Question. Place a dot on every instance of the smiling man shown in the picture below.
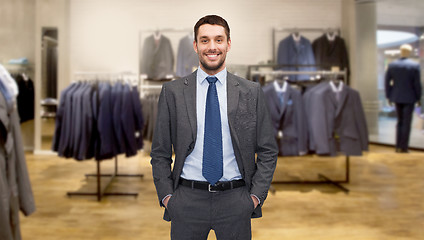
(219, 128)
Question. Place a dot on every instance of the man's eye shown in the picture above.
(204, 41)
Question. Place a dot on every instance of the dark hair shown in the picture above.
(213, 20)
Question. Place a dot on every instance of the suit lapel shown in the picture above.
(276, 100)
(286, 98)
(343, 97)
(190, 101)
(233, 93)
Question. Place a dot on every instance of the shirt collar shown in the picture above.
(279, 88)
(222, 76)
(336, 89)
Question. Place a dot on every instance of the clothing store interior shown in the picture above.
(325, 70)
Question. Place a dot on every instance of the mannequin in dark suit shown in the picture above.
(195, 206)
(403, 87)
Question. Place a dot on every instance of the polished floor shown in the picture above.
(385, 200)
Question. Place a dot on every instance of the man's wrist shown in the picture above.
(166, 197)
(253, 195)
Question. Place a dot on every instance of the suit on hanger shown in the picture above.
(128, 122)
(139, 118)
(105, 129)
(15, 186)
(403, 87)
(157, 58)
(187, 59)
(291, 52)
(250, 129)
(330, 53)
(337, 124)
(289, 117)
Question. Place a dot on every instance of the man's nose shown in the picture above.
(212, 45)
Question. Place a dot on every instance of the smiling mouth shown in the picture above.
(212, 56)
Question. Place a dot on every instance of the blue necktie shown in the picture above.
(212, 145)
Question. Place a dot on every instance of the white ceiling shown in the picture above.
(400, 12)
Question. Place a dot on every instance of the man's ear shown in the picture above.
(195, 46)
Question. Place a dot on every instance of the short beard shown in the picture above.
(212, 68)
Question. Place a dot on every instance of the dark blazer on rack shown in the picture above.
(330, 53)
(106, 138)
(138, 115)
(289, 118)
(337, 125)
(250, 128)
(127, 118)
(292, 53)
(402, 81)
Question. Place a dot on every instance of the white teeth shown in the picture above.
(212, 55)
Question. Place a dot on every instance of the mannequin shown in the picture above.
(403, 88)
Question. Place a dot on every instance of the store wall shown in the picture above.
(105, 33)
(17, 34)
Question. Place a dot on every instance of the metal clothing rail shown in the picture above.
(317, 74)
(325, 179)
(102, 190)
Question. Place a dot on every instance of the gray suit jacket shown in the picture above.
(337, 125)
(15, 187)
(288, 117)
(250, 127)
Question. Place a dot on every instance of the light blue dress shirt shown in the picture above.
(192, 169)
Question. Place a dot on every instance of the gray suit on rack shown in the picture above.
(337, 124)
(250, 128)
(289, 117)
(15, 187)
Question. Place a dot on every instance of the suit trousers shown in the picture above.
(403, 128)
(195, 212)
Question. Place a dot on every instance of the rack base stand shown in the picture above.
(100, 192)
(325, 180)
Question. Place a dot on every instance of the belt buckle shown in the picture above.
(209, 188)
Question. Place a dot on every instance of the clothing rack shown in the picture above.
(102, 190)
(297, 30)
(325, 179)
(317, 74)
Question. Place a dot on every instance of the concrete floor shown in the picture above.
(385, 200)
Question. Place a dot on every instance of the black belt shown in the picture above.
(219, 186)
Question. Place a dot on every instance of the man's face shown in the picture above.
(212, 46)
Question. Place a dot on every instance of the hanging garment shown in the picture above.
(330, 54)
(25, 98)
(157, 58)
(288, 119)
(336, 124)
(15, 187)
(296, 53)
(93, 118)
(187, 58)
